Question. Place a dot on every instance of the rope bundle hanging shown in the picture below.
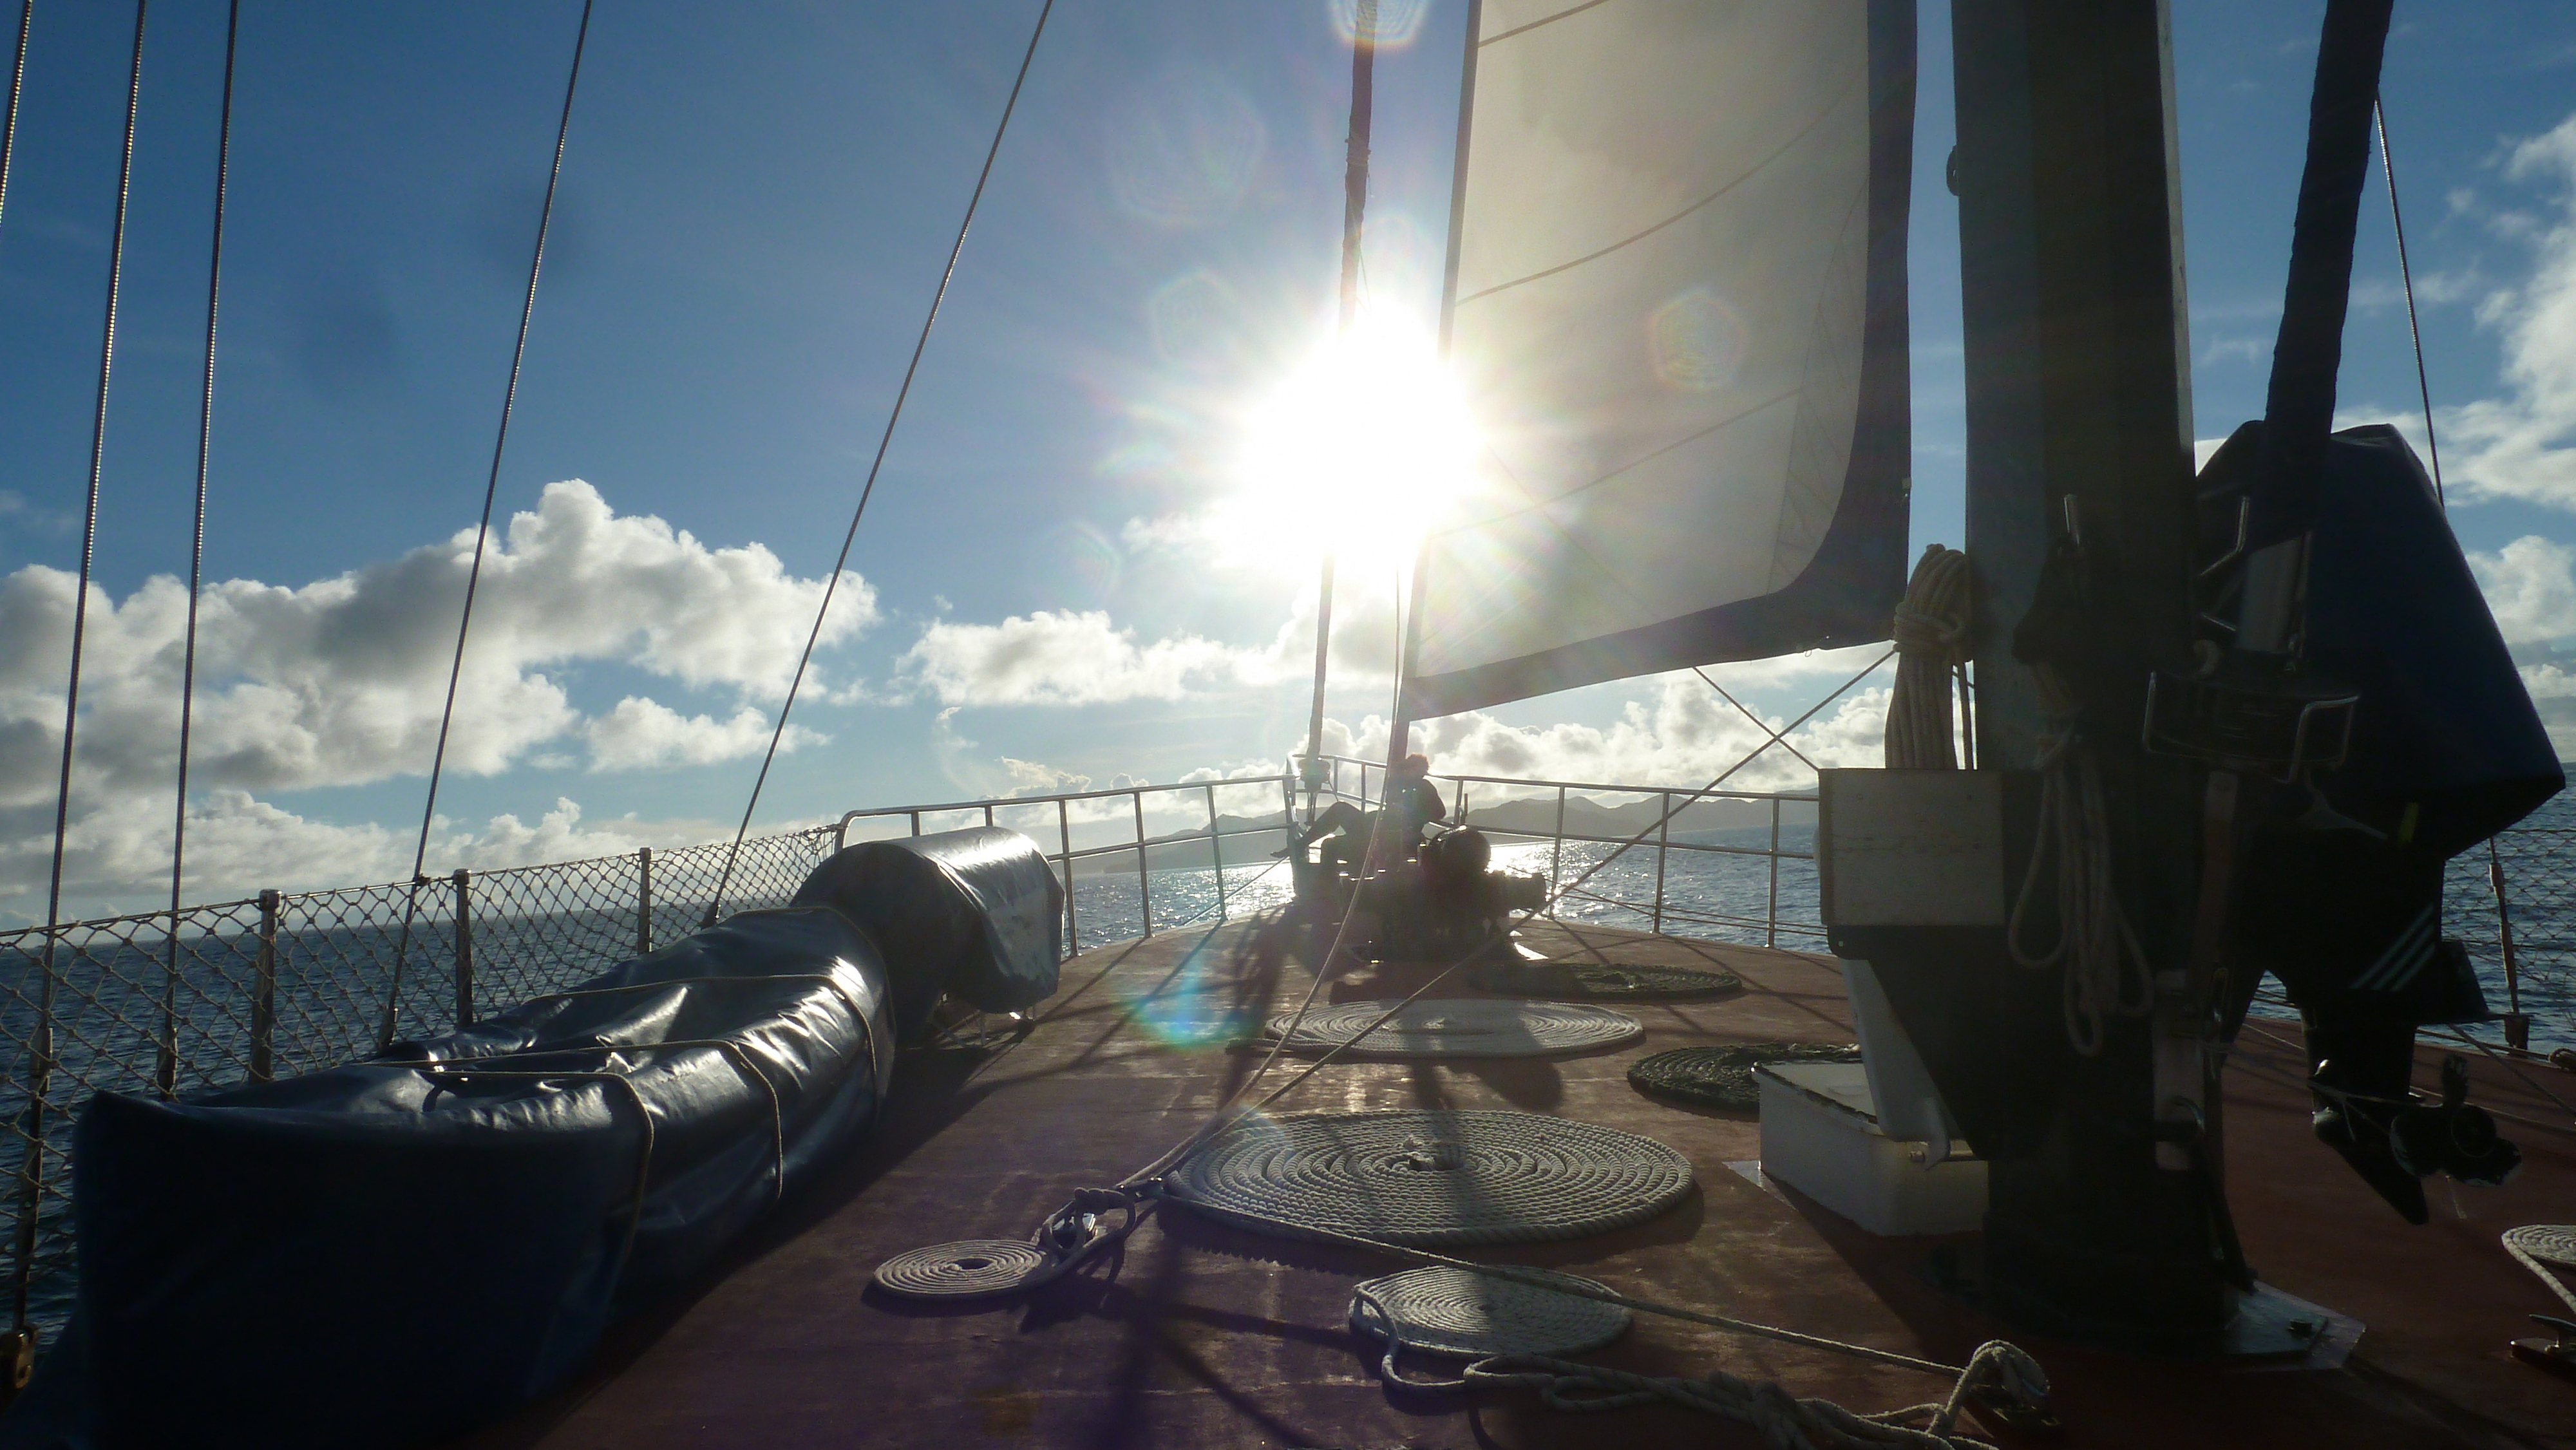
(1931, 633)
(2105, 969)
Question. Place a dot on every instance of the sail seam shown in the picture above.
(1630, 466)
(1541, 21)
(1756, 169)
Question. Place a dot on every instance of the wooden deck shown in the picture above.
(1205, 1336)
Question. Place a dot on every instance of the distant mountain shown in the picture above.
(1262, 835)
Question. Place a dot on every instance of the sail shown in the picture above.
(1678, 312)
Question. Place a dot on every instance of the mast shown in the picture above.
(2079, 428)
(1354, 213)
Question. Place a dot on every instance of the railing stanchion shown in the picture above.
(31, 1161)
(1144, 885)
(464, 948)
(988, 813)
(165, 1064)
(1771, 910)
(1216, 851)
(2517, 1026)
(263, 993)
(1064, 843)
(643, 901)
(1556, 859)
(1663, 838)
(916, 822)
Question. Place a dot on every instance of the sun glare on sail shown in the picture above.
(1365, 446)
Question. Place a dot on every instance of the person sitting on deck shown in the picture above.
(1411, 798)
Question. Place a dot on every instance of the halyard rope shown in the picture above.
(41, 1049)
(483, 532)
(831, 585)
(165, 1075)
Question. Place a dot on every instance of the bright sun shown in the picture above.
(1363, 447)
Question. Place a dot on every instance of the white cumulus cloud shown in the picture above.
(341, 681)
(2523, 445)
(1069, 658)
(2529, 586)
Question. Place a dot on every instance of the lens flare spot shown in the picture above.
(1184, 150)
(1197, 320)
(1397, 21)
(1698, 341)
(1194, 1007)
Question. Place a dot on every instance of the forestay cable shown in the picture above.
(2406, 283)
(166, 1069)
(724, 879)
(41, 1051)
(483, 529)
(17, 79)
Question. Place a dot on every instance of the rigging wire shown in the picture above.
(2406, 282)
(166, 1070)
(724, 879)
(483, 530)
(41, 1052)
(17, 79)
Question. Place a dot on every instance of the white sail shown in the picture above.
(1678, 312)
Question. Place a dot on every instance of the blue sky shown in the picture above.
(753, 213)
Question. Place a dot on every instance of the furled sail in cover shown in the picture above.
(1679, 317)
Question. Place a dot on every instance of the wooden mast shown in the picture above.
(1354, 212)
(2079, 409)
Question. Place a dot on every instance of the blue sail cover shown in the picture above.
(1678, 313)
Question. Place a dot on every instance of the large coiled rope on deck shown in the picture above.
(1931, 634)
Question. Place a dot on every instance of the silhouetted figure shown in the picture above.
(1410, 799)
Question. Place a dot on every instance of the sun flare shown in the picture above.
(1363, 447)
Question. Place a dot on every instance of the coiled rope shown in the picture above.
(2104, 969)
(1931, 632)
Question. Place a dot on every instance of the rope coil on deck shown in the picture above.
(1722, 1077)
(1617, 981)
(1452, 1027)
(1423, 1177)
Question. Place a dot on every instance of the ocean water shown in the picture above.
(1732, 893)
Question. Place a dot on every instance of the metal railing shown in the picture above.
(1034, 815)
(280, 983)
(1673, 877)
(234, 992)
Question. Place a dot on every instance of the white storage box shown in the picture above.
(1820, 1135)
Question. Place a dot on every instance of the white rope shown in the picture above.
(2104, 968)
